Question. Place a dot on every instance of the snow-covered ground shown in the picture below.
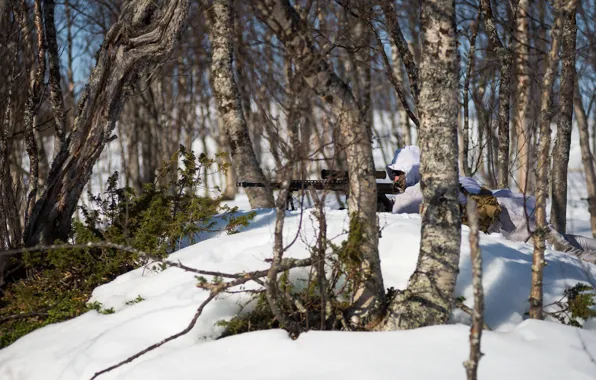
(515, 349)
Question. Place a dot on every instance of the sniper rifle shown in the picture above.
(333, 180)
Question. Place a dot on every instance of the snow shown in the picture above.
(516, 348)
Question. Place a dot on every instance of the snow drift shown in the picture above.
(516, 349)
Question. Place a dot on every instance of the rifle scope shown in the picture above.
(341, 174)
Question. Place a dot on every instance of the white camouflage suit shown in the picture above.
(512, 222)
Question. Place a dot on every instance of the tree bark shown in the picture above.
(402, 46)
(428, 300)
(362, 59)
(542, 172)
(398, 73)
(10, 226)
(293, 32)
(230, 107)
(69, 69)
(466, 128)
(471, 365)
(521, 111)
(505, 58)
(36, 75)
(587, 156)
(55, 78)
(143, 37)
(397, 84)
(560, 154)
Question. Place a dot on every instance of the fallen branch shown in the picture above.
(214, 290)
(156, 345)
(287, 263)
(23, 316)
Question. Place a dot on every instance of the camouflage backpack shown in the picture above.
(487, 206)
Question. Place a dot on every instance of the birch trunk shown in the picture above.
(363, 73)
(587, 157)
(428, 300)
(560, 154)
(471, 365)
(466, 127)
(293, 32)
(143, 37)
(521, 112)
(542, 171)
(230, 108)
(505, 59)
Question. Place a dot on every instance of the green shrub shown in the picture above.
(577, 305)
(59, 282)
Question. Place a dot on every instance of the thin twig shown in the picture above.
(156, 345)
(471, 365)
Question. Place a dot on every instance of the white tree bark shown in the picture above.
(428, 300)
(521, 111)
(542, 171)
(230, 108)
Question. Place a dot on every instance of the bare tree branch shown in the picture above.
(478, 315)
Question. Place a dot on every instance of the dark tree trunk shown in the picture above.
(143, 37)
(36, 75)
(506, 60)
(466, 128)
(55, 78)
(560, 154)
(402, 46)
(587, 155)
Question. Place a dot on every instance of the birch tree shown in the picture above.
(587, 154)
(520, 111)
(560, 154)
(505, 60)
(230, 108)
(543, 165)
(428, 299)
(292, 31)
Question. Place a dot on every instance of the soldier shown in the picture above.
(500, 211)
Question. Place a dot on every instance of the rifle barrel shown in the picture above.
(343, 174)
(257, 184)
(333, 185)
